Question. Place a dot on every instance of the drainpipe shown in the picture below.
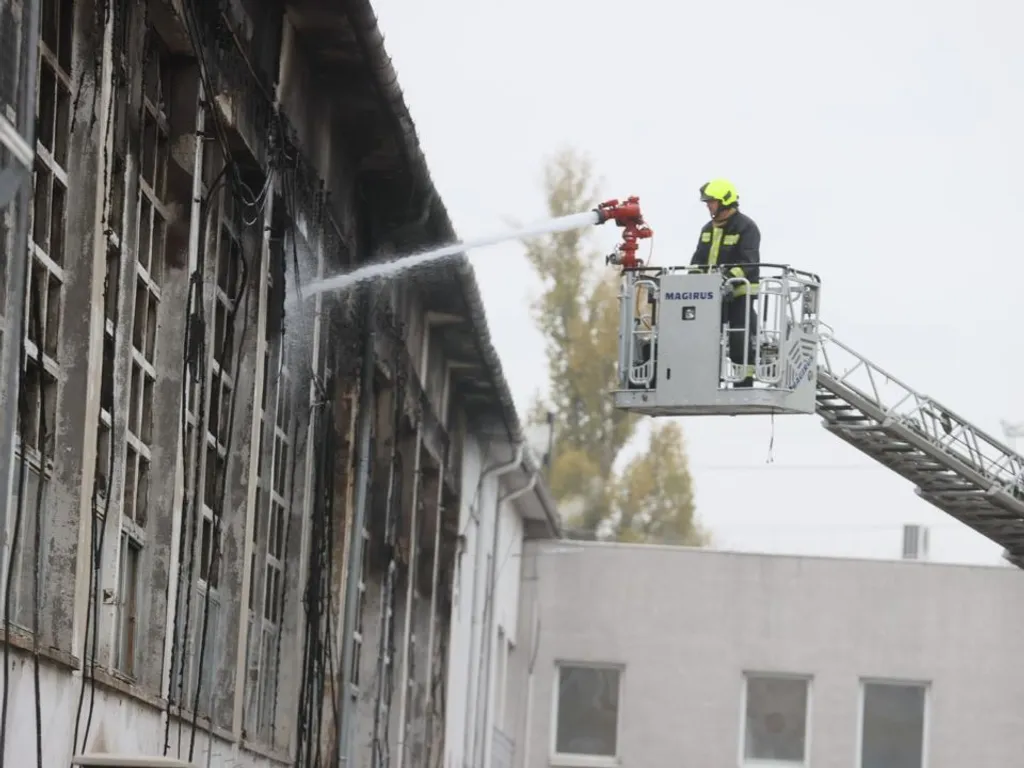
(410, 597)
(530, 677)
(350, 698)
(498, 471)
(484, 708)
(435, 574)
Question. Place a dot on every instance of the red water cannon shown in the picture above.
(627, 215)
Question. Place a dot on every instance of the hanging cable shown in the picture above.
(251, 205)
(194, 354)
(317, 596)
(13, 552)
(285, 571)
(111, 294)
(238, 188)
(380, 747)
(241, 297)
(37, 543)
(194, 359)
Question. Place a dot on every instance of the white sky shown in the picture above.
(877, 145)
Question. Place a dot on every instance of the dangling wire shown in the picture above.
(97, 540)
(13, 552)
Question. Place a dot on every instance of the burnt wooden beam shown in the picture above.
(166, 18)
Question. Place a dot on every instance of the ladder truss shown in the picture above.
(955, 466)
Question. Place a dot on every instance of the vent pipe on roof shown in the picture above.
(915, 542)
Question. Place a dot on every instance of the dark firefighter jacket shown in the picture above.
(737, 242)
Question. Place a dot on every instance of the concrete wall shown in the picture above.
(686, 625)
(116, 435)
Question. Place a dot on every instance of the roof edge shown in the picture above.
(364, 22)
(687, 550)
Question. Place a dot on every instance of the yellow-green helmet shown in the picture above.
(721, 190)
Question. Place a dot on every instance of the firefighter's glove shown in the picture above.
(727, 292)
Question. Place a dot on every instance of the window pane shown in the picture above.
(776, 719)
(588, 711)
(893, 731)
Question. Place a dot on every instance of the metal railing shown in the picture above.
(644, 330)
(786, 299)
(887, 400)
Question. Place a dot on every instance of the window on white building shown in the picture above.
(586, 711)
(892, 725)
(776, 709)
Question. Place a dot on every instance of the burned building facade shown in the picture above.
(249, 521)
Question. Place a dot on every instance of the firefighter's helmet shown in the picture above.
(721, 190)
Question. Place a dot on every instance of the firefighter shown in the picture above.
(732, 241)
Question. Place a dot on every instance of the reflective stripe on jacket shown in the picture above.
(737, 243)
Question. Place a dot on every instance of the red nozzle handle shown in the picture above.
(624, 213)
(627, 215)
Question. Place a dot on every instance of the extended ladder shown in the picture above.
(953, 464)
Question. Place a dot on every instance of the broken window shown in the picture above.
(208, 439)
(45, 286)
(269, 533)
(144, 274)
(23, 588)
(128, 603)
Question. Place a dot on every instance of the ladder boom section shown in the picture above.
(954, 465)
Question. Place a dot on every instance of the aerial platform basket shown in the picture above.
(674, 346)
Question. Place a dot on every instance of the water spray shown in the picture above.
(626, 214)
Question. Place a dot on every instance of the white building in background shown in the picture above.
(655, 656)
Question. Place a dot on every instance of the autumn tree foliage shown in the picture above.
(650, 497)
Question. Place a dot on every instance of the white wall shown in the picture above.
(460, 638)
(468, 718)
(120, 723)
(687, 624)
(506, 614)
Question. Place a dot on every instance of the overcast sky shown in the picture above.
(876, 144)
